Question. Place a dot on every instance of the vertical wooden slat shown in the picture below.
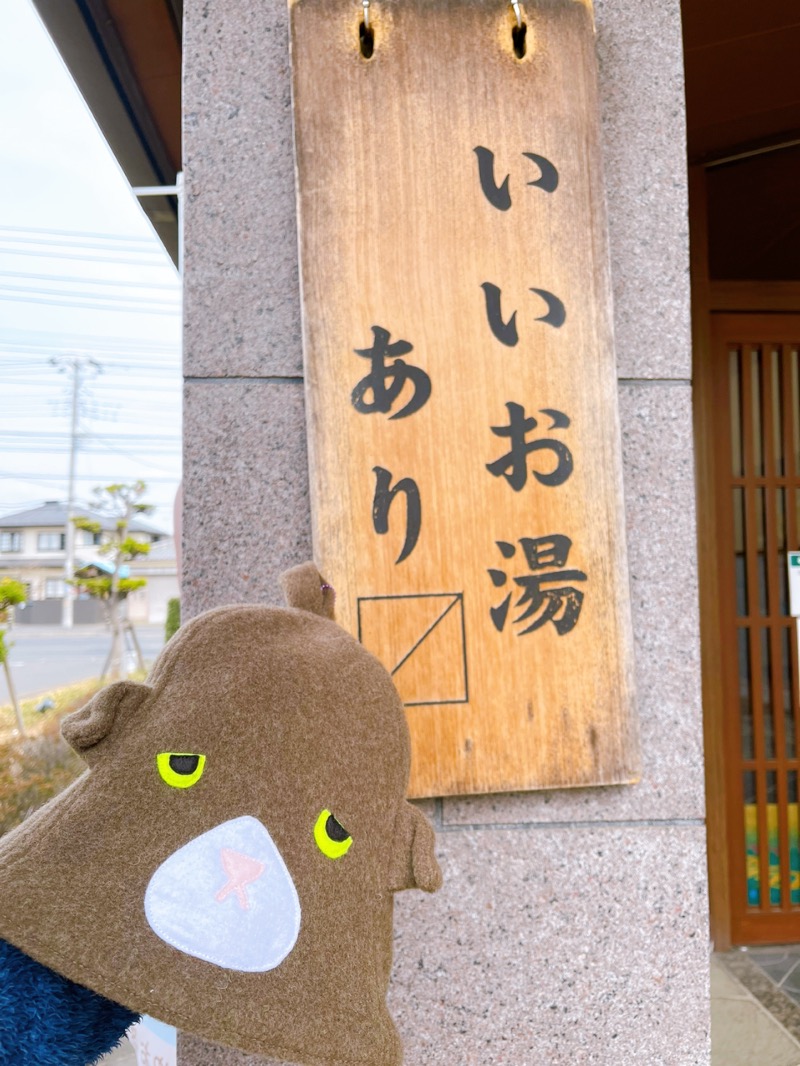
(769, 417)
(790, 368)
(789, 371)
(712, 404)
(737, 457)
(751, 471)
(757, 356)
(730, 624)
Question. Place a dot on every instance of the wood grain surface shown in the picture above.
(460, 381)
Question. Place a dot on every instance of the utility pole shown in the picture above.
(73, 365)
(69, 537)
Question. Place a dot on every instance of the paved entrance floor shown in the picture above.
(755, 1007)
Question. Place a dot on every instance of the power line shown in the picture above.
(121, 360)
(57, 435)
(131, 238)
(22, 360)
(76, 340)
(17, 372)
(121, 245)
(136, 458)
(32, 364)
(24, 365)
(158, 262)
(89, 281)
(27, 378)
(136, 455)
(7, 475)
(132, 389)
(87, 306)
(90, 295)
(20, 340)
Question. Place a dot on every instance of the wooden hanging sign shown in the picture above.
(460, 380)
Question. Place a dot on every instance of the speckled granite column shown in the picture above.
(572, 927)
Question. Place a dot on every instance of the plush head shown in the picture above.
(227, 863)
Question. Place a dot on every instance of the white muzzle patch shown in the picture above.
(228, 898)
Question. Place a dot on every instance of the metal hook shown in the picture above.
(365, 5)
(514, 4)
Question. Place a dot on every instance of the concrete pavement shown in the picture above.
(47, 657)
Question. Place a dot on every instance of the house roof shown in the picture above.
(101, 566)
(160, 560)
(162, 551)
(53, 513)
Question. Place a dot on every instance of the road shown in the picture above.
(46, 657)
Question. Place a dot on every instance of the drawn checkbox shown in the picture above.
(421, 640)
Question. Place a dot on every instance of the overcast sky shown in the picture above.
(82, 276)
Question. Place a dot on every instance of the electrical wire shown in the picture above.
(107, 364)
(158, 262)
(86, 306)
(88, 281)
(7, 475)
(140, 462)
(132, 238)
(150, 367)
(54, 436)
(43, 338)
(91, 245)
(88, 295)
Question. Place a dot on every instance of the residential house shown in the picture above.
(159, 567)
(33, 551)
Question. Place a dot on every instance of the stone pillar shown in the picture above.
(573, 925)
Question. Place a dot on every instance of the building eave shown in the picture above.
(125, 59)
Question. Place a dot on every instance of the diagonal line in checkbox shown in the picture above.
(429, 630)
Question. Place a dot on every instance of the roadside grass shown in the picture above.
(36, 767)
(65, 699)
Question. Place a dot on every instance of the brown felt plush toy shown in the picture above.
(228, 861)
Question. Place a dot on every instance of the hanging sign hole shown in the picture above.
(518, 34)
(366, 39)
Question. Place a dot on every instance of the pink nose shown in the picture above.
(241, 871)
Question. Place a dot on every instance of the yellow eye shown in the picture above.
(331, 836)
(180, 770)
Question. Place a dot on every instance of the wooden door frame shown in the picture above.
(707, 298)
(708, 582)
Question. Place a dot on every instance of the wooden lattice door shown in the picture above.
(756, 433)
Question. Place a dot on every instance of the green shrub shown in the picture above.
(173, 622)
(11, 593)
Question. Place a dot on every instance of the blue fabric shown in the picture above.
(46, 1020)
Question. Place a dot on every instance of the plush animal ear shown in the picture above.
(304, 588)
(414, 862)
(83, 730)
